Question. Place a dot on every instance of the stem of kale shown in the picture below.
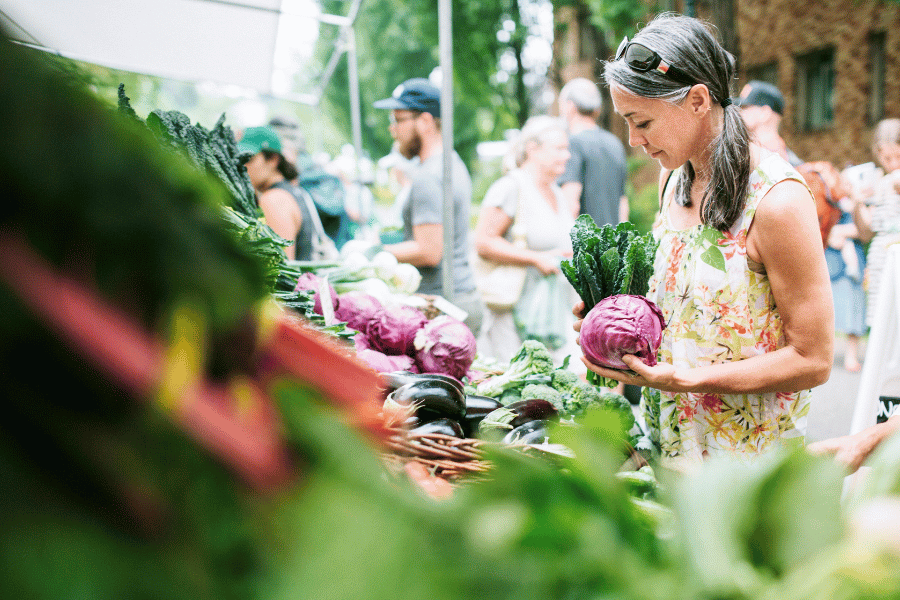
(601, 381)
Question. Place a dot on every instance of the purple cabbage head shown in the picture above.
(357, 309)
(310, 281)
(622, 324)
(386, 364)
(393, 329)
(361, 342)
(445, 345)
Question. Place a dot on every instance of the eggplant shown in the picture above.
(444, 425)
(398, 379)
(434, 398)
(532, 410)
(477, 407)
(532, 432)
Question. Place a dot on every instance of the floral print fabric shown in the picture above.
(719, 307)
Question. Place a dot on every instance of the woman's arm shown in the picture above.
(282, 215)
(785, 238)
(491, 245)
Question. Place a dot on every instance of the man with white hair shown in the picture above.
(594, 181)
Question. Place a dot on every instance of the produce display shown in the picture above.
(215, 153)
(187, 419)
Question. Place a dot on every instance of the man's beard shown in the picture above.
(411, 148)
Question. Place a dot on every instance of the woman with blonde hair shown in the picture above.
(528, 198)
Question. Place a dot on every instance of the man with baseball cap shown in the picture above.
(415, 109)
(762, 107)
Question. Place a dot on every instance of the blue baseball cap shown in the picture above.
(416, 94)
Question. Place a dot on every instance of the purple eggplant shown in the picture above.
(397, 379)
(445, 426)
(532, 410)
(434, 399)
(477, 407)
(499, 422)
(532, 432)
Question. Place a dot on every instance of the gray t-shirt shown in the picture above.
(598, 163)
(425, 206)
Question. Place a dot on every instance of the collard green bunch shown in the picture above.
(215, 152)
(608, 260)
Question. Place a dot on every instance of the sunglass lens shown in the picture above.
(639, 57)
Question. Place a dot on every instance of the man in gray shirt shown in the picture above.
(594, 181)
(416, 126)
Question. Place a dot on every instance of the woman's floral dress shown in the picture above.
(718, 307)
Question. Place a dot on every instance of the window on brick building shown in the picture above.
(815, 90)
(767, 72)
(876, 77)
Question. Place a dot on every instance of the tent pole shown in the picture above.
(355, 120)
(445, 25)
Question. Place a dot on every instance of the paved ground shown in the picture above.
(833, 402)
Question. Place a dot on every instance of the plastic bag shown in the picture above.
(545, 313)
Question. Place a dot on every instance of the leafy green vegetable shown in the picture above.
(215, 152)
(608, 260)
(533, 358)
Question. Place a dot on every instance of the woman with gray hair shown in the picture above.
(739, 274)
(527, 203)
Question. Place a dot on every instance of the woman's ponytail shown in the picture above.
(724, 199)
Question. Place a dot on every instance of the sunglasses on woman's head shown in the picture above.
(640, 58)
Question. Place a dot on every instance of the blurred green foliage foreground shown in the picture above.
(104, 496)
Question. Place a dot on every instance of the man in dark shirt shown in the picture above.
(594, 181)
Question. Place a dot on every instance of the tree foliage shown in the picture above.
(399, 39)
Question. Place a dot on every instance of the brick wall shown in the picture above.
(782, 30)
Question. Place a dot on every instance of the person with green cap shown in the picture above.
(285, 211)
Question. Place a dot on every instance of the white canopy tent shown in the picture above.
(247, 43)
(263, 45)
(260, 45)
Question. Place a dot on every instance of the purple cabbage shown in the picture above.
(393, 329)
(622, 324)
(361, 342)
(386, 364)
(357, 310)
(310, 281)
(445, 345)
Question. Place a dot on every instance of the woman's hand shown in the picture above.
(849, 450)
(661, 376)
(546, 262)
(580, 314)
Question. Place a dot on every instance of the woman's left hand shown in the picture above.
(661, 376)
